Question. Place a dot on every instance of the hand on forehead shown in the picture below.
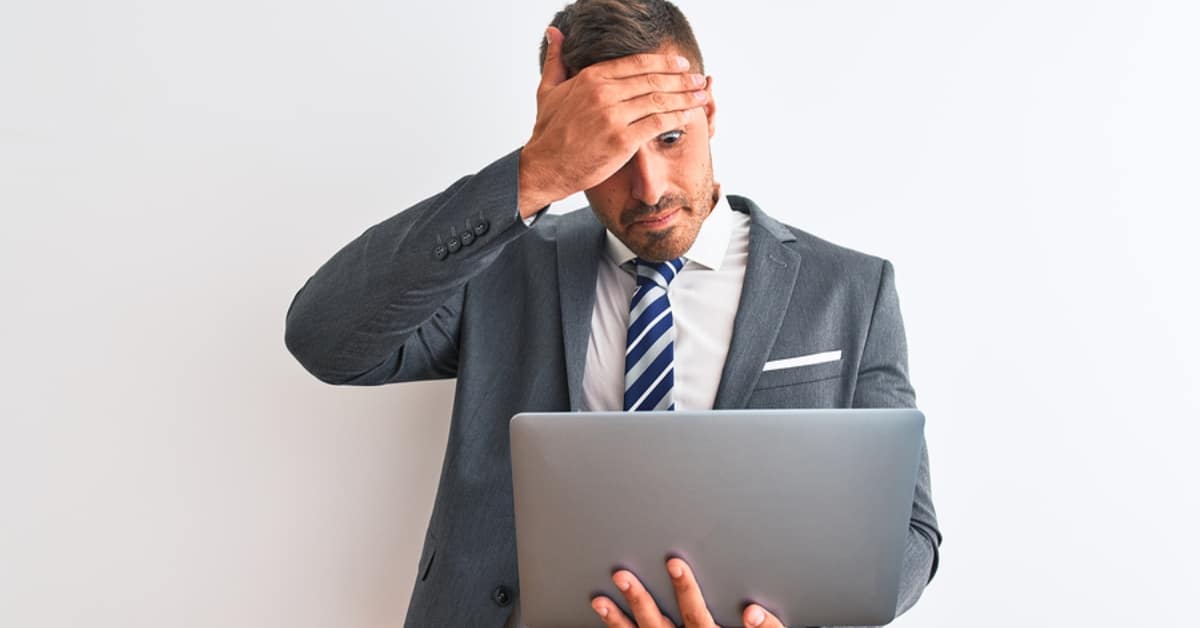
(665, 61)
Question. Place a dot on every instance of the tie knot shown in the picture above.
(659, 273)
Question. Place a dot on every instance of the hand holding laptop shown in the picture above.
(687, 594)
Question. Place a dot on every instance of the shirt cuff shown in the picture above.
(532, 219)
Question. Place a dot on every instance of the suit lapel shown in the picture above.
(771, 270)
(580, 241)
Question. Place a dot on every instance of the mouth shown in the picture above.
(656, 222)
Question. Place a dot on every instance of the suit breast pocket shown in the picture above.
(808, 386)
(790, 375)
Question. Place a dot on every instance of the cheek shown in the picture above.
(606, 202)
(691, 161)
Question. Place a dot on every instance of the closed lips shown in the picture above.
(657, 220)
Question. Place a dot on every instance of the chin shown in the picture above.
(669, 246)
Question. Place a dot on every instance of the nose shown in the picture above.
(648, 177)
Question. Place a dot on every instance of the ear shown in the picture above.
(710, 108)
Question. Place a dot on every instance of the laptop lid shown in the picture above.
(805, 512)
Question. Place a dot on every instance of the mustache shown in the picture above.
(643, 211)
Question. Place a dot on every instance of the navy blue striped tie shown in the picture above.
(649, 344)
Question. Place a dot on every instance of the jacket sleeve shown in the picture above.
(883, 383)
(387, 306)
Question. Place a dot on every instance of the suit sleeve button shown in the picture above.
(440, 252)
(453, 244)
(467, 237)
(481, 227)
(501, 596)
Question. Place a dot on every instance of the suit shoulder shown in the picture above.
(839, 268)
(834, 253)
(843, 270)
(816, 251)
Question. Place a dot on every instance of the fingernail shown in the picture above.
(700, 95)
(600, 609)
(676, 571)
(623, 585)
(547, 36)
(756, 617)
(697, 79)
(682, 62)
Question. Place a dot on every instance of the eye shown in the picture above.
(671, 137)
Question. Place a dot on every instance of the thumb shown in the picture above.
(553, 70)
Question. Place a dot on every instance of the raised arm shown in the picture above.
(385, 308)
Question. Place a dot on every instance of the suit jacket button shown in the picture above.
(481, 227)
(453, 244)
(467, 238)
(440, 252)
(501, 596)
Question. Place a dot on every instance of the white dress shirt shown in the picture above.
(704, 300)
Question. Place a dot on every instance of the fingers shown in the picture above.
(627, 88)
(687, 593)
(553, 70)
(633, 65)
(645, 609)
(637, 108)
(756, 616)
(610, 613)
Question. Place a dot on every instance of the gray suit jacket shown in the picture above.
(507, 310)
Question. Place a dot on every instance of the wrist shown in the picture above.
(533, 191)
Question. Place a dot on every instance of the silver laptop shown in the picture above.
(803, 511)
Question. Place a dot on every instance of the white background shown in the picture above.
(172, 172)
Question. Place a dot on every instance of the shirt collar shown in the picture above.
(708, 250)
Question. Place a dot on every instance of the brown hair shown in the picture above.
(599, 30)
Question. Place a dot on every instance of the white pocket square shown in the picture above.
(803, 360)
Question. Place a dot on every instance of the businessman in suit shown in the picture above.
(720, 305)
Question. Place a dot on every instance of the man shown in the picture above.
(537, 312)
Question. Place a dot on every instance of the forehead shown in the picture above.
(667, 48)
